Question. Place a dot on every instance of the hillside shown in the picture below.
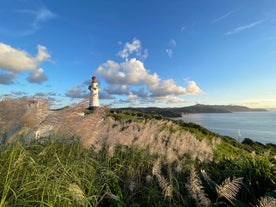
(125, 158)
(198, 108)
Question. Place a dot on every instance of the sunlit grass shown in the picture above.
(125, 158)
(63, 173)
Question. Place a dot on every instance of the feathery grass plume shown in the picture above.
(148, 178)
(163, 183)
(77, 194)
(229, 189)
(266, 202)
(97, 129)
(156, 169)
(112, 196)
(196, 190)
(131, 186)
(179, 167)
(170, 155)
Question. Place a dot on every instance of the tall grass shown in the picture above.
(63, 173)
(123, 160)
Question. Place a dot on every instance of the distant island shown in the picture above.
(198, 108)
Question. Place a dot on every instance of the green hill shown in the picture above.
(198, 108)
(126, 158)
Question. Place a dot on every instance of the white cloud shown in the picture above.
(165, 88)
(7, 78)
(105, 95)
(76, 92)
(131, 79)
(136, 74)
(141, 92)
(169, 52)
(175, 100)
(133, 48)
(117, 90)
(110, 71)
(218, 19)
(130, 72)
(169, 100)
(132, 97)
(34, 19)
(42, 15)
(192, 88)
(243, 28)
(183, 29)
(130, 48)
(37, 76)
(168, 88)
(145, 54)
(16, 60)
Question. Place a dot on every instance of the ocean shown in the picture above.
(258, 126)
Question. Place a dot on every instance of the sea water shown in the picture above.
(258, 126)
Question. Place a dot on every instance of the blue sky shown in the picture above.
(144, 53)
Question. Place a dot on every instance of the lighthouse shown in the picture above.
(94, 95)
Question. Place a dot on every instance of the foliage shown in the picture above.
(63, 173)
(126, 158)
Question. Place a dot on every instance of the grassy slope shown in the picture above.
(63, 173)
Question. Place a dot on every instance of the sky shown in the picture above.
(161, 53)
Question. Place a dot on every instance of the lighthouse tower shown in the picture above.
(94, 96)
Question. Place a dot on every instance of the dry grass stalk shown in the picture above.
(156, 169)
(95, 130)
(229, 189)
(165, 186)
(163, 183)
(77, 194)
(266, 202)
(196, 190)
(112, 196)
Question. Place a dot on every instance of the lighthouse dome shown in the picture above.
(94, 79)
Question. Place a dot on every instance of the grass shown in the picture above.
(125, 158)
(63, 173)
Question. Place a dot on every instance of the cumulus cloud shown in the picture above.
(130, 48)
(133, 48)
(37, 76)
(136, 73)
(132, 80)
(16, 60)
(76, 92)
(122, 77)
(7, 78)
(192, 88)
(117, 90)
(130, 72)
(141, 92)
(165, 88)
(132, 97)
(105, 95)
